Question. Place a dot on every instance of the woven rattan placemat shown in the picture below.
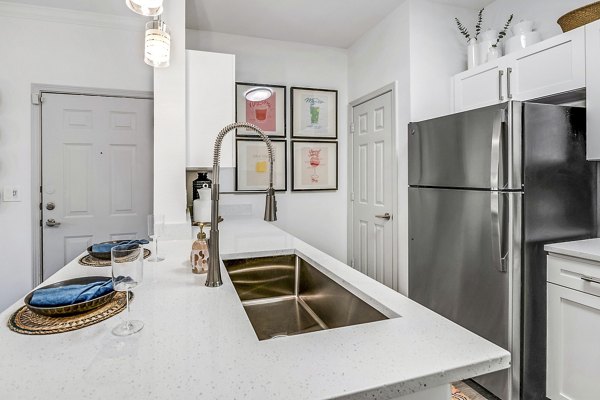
(27, 322)
(90, 261)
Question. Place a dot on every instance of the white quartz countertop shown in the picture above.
(198, 343)
(588, 249)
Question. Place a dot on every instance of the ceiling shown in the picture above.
(336, 23)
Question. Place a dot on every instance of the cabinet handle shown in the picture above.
(508, 91)
(590, 279)
(500, 74)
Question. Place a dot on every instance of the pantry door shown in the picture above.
(97, 173)
(372, 189)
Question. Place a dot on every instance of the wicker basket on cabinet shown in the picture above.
(579, 17)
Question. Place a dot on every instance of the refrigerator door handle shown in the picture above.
(498, 259)
(495, 149)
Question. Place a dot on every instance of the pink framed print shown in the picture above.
(268, 115)
(314, 165)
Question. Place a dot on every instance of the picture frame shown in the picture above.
(268, 115)
(314, 165)
(314, 113)
(252, 165)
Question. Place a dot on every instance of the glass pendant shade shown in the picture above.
(157, 49)
(147, 8)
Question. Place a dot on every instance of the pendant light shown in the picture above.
(157, 49)
(147, 8)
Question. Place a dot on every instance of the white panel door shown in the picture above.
(97, 173)
(372, 148)
(573, 362)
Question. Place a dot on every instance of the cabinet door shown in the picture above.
(554, 66)
(592, 51)
(210, 91)
(573, 362)
(479, 87)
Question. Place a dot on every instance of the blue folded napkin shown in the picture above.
(70, 294)
(123, 245)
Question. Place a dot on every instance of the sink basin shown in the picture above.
(286, 295)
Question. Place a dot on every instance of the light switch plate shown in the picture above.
(11, 193)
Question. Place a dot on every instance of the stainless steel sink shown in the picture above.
(285, 295)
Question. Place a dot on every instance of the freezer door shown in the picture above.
(473, 149)
(461, 263)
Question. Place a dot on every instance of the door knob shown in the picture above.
(386, 216)
(51, 222)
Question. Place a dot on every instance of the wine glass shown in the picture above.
(156, 228)
(127, 272)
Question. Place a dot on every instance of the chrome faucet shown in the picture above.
(213, 278)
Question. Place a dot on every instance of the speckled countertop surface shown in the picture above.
(197, 342)
(588, 249)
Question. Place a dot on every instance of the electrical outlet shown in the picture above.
(11, 193)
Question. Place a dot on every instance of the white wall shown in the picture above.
(437, 52)
(543, 12)
(86, 52)
(378, 58)
(170, 130)
(418, 46)
(319, 218)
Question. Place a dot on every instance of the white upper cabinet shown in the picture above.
(210, 104)
(547, 68)
(554, 66)
(480, 87)
(592, 44)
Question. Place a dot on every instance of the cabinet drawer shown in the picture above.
(573, 273)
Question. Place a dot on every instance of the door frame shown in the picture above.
(393, 89)
(37, 90)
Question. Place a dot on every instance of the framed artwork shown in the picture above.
(314, 113)
(252, 165)
(314, 165)
(268, 115)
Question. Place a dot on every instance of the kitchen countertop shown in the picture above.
(198, 343)
(588, 249)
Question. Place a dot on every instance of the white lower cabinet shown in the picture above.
(573, 355)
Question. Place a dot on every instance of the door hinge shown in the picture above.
(352, 263)
(352, 128)
(352, 196)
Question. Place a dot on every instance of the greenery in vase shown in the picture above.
(465, 32)
(503, 32)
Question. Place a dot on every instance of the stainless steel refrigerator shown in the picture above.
(488, 188)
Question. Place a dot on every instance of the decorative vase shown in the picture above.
(488, 38)
(472, 54)
(494, 53)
